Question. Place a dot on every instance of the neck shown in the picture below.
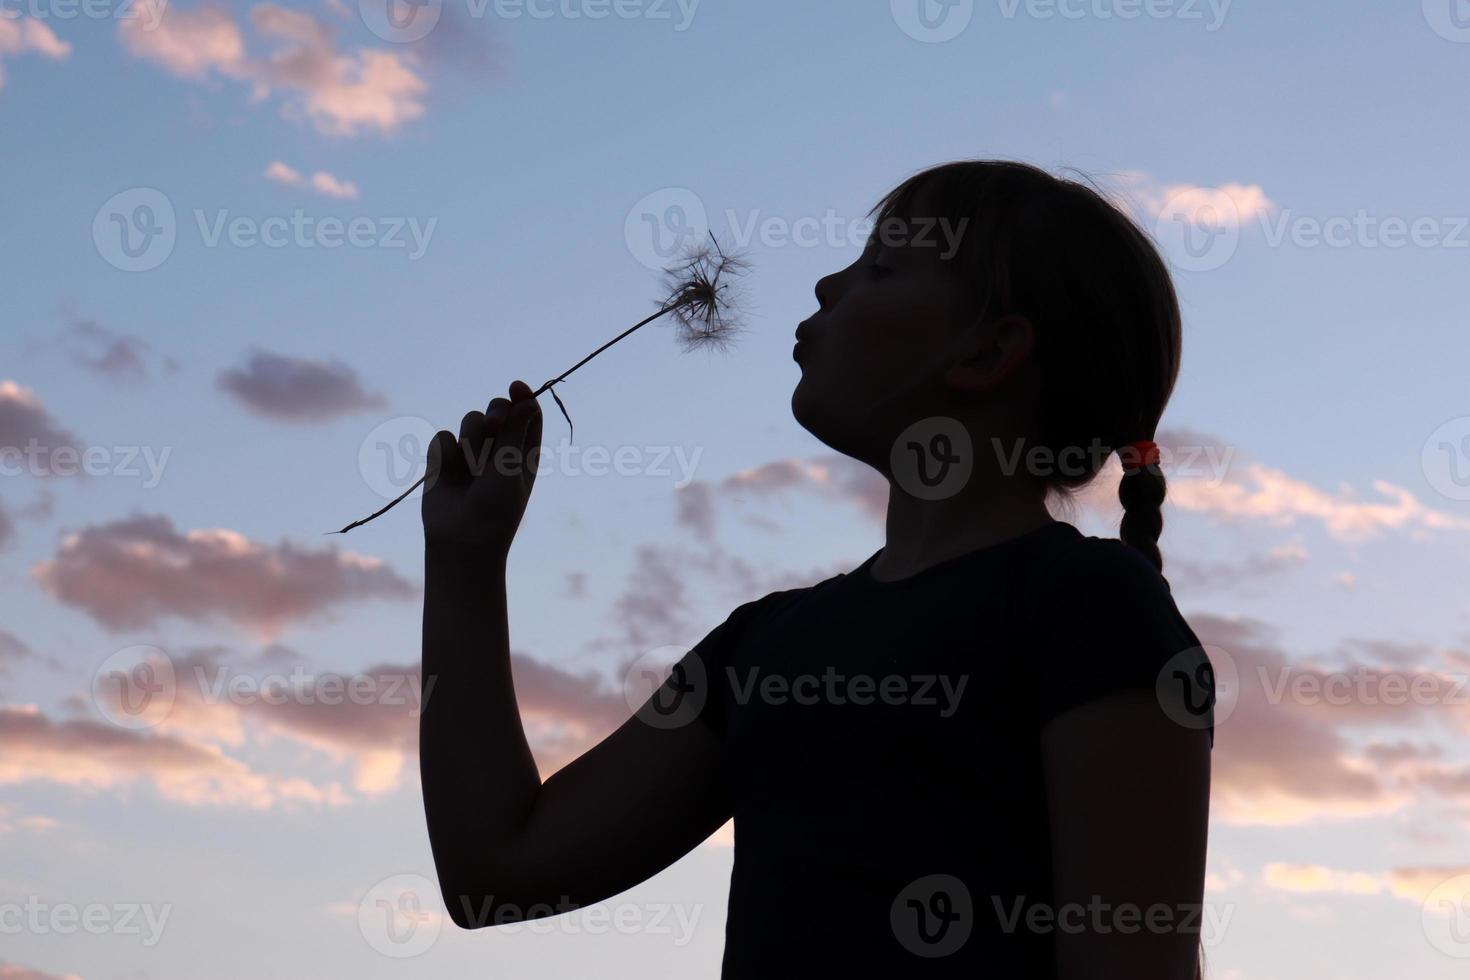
(922, 533)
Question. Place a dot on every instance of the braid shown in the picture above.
(1141, 491)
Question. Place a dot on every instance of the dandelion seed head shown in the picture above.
(701, 295)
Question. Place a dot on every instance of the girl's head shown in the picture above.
(1025, 306)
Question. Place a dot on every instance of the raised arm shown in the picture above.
(506, 846)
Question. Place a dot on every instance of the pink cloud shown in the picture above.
(14, 971)
(190, 43)
(92, 756)
(21, 34)
(340, 93)
(134, 572)
(1230, 204)
(367, 719)
(322, 182)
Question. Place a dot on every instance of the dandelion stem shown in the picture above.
(668, 308)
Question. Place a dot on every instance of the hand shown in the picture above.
(477, 486)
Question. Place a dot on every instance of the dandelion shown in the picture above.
(699, 293)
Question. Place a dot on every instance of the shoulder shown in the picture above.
(1102, 575)
(1103, 620)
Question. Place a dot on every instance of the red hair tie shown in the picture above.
(1145, 451)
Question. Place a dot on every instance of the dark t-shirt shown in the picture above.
(882, 749)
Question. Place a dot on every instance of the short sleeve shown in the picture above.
(1103, 622)
(700, 676)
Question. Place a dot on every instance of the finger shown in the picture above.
(496, 411)
(474, 430)
(444, 462)
(525, 413)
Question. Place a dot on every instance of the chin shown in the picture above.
(828, 422)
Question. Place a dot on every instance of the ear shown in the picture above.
(994, 350)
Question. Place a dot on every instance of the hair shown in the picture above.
(1098, 296)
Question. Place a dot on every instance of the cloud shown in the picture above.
(321, 181)
(20, 34)
(1278, 761)
(832, 477)
(31, 441)
(131, 573)
(13, 823)
(92, 756)
(1315, 878)
(190, 43)
(1262, 493)
(1186, 573)
(1208, 476)
(12, 649)
(1411, 884)
(341, 94)
(368, 719)
(289, 389)
(14, 971)
(23, 419)
(108, 353)
(1415, 884)
(1291, 752)
(1227, 205)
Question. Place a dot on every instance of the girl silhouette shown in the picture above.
(985, 751)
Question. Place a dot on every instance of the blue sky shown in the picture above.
(524, 149)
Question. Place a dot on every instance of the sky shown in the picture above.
(253, 255)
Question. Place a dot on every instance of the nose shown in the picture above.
(824, 290)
